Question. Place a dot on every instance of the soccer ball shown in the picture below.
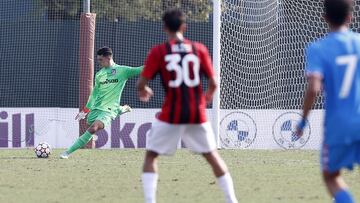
(43, 150)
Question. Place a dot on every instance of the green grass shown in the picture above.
(114, 176)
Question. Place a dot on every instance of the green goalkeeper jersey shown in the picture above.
(109, 84)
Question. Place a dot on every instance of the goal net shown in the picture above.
(262, 71)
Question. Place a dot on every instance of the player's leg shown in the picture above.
(87, 136)
(201, 139)
(84, 138)
(97, 120)
(163, 139)
(332, 160)
(150, 176)
(337, 187)
(150, 162)
(216, 162)
(222, 174)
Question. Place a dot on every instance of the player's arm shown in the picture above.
(93, 96)
(212, 85)
(144, 91)
(312, 90)
(314, 72)
(207, 68)
(91, 100)
(133, 71)
(152, 65)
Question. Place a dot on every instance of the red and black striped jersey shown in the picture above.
(180, 65)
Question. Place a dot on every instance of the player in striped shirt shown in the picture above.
(180, 62)
(333, 62)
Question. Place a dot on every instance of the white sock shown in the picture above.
(225, 182)
(149, 181)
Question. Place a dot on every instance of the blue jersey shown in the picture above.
(336, 57)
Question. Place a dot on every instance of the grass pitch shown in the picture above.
(114, 176)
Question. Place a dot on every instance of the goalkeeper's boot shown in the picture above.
(64, 155)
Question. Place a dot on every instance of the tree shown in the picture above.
(129, 10)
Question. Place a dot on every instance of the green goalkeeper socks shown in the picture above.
(80, 142)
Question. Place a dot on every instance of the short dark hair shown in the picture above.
(104, 51)
(173, 19)
(336, 11)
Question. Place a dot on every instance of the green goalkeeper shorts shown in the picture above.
(103, 116)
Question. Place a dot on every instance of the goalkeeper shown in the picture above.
(103, 105)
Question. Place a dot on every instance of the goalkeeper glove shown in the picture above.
(125, 109)
(82, 114)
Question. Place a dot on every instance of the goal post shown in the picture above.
(216, 65)
(86, 61)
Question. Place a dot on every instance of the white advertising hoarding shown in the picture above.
(269, 129)
(242, 129)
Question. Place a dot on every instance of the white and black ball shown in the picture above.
(43, 150)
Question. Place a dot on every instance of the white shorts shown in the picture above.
(164, 138)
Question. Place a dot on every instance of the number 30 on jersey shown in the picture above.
(182, 71)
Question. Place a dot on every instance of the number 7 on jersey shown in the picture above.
(351, 63)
